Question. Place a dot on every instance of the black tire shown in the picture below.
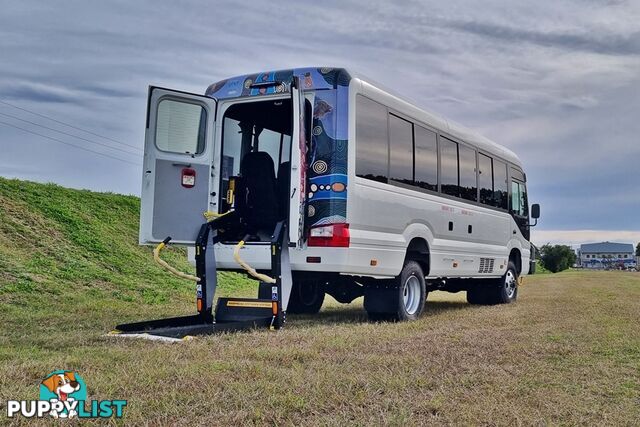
(477, 293)
(506, 290)
(499, 291)
(402, 298)
(307, 296)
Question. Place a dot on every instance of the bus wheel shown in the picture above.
(477, 293)
(507, 289)
(403, 298)
(307, 296)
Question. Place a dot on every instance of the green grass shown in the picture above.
(568, 352)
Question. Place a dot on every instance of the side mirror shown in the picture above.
(535, 211)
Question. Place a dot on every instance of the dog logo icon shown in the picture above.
(63, 386)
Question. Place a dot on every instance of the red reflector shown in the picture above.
(188, 178)
(314, 259)
(333, 235)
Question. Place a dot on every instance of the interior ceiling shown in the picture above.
(273, 115)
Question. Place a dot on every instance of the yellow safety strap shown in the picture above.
(210, 216)
(250, 270)
(172, 270)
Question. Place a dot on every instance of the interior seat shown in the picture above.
(259, 179)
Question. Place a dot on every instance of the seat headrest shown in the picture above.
(256, 160)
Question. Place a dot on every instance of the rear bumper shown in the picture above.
(353, 260)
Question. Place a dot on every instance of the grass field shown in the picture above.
(568, 352)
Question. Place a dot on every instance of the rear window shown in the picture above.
(180, 127)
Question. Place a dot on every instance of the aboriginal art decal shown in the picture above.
(327, 154)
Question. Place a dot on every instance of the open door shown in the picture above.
(178, 153)
(298, 166)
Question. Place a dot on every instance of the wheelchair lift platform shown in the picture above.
(231, 314)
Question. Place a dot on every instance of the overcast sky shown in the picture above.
(557, 81)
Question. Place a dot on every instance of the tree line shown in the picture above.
(557, 258)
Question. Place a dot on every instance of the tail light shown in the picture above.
(333, 235)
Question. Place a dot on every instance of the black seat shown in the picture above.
(284, 172)
(259, 179)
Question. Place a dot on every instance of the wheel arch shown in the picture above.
(419, 240)
(516, 257)
(418, 251)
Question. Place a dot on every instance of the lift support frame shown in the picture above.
(231, 314)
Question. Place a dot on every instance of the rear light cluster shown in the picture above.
(333, 235)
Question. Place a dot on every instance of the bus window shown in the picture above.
(468, 181)
(485, 179)
(372, 152)
(426, 158)
(449, 167)
(400, 150)
(500, 188)
(519, 205)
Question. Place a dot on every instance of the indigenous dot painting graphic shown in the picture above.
(327, 155)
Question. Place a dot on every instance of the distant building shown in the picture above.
(606, 255)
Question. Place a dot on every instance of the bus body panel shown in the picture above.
(383, 218)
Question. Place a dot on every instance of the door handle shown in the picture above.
(186, 165)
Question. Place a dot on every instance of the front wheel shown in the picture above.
(507, 290)
(503, 290)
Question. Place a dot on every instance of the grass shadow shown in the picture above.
(334, 314)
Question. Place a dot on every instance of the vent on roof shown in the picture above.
(486, 265)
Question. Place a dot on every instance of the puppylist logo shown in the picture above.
(63, 394)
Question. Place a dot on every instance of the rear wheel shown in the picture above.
(402, 298)
(307, 296)
(477, 293)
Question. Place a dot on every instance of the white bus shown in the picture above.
(382, 199)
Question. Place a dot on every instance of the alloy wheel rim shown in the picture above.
(510, 284)
(411, 295)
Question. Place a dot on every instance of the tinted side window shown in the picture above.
(485, 179)
(400, 150)
(426, 158)
(449, 167)
(500, 189)
(372, 140)
(468, 182)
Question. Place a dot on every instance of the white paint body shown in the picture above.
(383, 218)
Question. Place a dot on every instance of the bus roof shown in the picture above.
(331, 78)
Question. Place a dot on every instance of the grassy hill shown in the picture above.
(566, 353)
(66, 249)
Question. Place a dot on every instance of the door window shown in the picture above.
(180, 127)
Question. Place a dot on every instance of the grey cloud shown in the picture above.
(598, 42)
(557, 81)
